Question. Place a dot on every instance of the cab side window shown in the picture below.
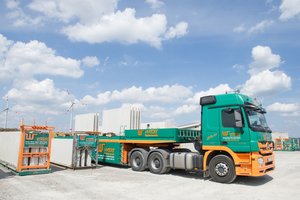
(228, 119)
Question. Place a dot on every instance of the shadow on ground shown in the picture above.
(240, 180)
(5, 173)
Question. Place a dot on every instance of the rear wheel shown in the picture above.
(222, 169)
(156, 163)
(137, 161)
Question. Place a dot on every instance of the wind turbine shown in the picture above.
(6, 116)
(71, 107)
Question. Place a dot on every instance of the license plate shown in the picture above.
(269, 159)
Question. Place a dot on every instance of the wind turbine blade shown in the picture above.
(13, 111)
(3, 110)
(69, 108)
(70, 96)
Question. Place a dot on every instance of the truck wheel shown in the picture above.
(222, 169)
(137, 161)
(156, 163)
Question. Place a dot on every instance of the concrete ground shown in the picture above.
(111, 182)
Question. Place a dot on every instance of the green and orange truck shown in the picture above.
(234, 140)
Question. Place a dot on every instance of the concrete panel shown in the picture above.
(87, 122)
(61, 151)
(116, 119)
(9, 147)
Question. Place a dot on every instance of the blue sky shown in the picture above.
(161, 56)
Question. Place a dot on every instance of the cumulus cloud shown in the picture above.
(263, 60)
(90, 61)
(124, 27)
(24, 60)
(238, 67)
(155, 3)
(221, 89)
(65, 10)
(289, 9)
(174, 93)
(267, 83)
(186, 109)
(260, 26)
(292, 109)
(19, 17)
(100, 21)
(179, 31)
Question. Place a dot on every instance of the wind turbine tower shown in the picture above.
(71, 107)
(6, 116)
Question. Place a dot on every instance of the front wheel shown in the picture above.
(222, 169)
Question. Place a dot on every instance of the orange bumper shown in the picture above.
(256, 169)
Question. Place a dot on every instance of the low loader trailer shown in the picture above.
(234, 140)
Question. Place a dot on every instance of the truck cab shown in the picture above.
(236, 139)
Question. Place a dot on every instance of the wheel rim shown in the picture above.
(221, 169)
(137, 161)
(155, 163)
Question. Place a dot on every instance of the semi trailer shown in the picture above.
(234, 140)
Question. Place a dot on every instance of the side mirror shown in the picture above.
(238, 119)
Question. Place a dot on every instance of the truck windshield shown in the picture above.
(257, 120)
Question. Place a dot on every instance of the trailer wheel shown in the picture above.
(156, 163)
(222, 169)
(137, 161)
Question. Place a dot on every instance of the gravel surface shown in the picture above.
(112, 182)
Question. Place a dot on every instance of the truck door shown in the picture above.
(237, 139)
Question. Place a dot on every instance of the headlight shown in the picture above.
(260, 161)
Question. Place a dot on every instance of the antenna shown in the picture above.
(71, 107)
(6, 116)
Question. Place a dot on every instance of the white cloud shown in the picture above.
(155, 3)
(24, 60)
(289, 9)
(239, 29)
(292, 109)
(99, 21)
(267, 83)
(221, 89)
(263, 60)
(186, 109)
(39, 93)
(165, 94)
(124, 27)
(179, 31)
(4, 45)
(238, 67)
(21, 19)
(65, 10)
(260, 26)
(281, 107)
(11, 4)
(90, 61)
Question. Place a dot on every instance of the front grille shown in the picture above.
(265, 147)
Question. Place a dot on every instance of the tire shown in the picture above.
(168, 170)
(156, 163)
(222, 169)
(137, 161)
